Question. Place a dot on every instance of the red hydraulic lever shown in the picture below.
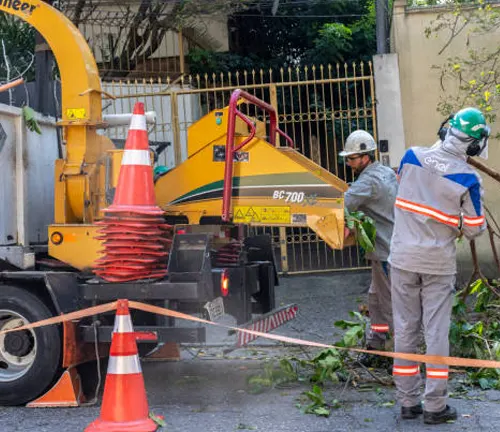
(233, 112)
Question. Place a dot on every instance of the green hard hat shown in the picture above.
(471, 122)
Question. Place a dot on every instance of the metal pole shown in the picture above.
(381, 26)
(44, 60)
(181, 52)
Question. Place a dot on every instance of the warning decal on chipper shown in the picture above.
(76, 113)
(263, 215)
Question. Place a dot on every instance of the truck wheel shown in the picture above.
(29, 359)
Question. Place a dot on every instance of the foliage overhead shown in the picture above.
(473, 77)
(301, 33)
(18, 39)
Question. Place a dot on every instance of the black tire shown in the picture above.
(46, 364)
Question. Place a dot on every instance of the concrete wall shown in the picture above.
(389, 108)
(26, 178)
(420, 93)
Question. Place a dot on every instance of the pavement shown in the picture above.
(212, 387)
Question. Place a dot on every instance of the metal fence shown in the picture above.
(317, 106)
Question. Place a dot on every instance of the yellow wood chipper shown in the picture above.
(236, 175)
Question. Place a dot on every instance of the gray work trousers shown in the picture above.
(421, 299)
(379, 306)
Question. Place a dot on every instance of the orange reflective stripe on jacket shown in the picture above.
(437, 214)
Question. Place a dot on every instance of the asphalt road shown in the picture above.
(211, 389)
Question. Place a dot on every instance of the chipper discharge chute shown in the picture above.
(272, 185)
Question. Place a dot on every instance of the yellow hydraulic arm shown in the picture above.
(76, 176)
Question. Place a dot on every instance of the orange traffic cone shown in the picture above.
(124, 405)
(135, 237)
(135, 188)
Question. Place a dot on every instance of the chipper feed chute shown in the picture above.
(271, 185)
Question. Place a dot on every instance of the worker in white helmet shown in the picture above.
(374, 193)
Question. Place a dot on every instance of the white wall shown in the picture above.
(26, 178)
(421, 91)
(389, 107)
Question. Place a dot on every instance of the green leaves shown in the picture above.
(326, 364)
(157, 419)
(19, 39)
(355, 330)
(364, 227)
(319, 406)
(333, 43)
(475, 331)
(30, 120)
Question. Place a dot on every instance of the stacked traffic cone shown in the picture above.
(124, 404)
(230, 254)
(135, 237)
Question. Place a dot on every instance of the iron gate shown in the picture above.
(317, 106)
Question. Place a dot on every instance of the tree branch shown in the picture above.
(484, 168)
(491, 234)
(476, 274)
(454, 34)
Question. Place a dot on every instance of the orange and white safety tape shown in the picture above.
(419, 358)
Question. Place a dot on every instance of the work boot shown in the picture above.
(368, 360)
(411, 412)
(446, 415)
(375, 361)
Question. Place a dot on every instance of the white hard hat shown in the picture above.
(358, 142)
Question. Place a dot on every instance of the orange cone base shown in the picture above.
(64, 393)
(146, 425)
(124, 404)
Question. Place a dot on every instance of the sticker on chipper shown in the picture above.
(299, 219)
(215, 309)
(287, 196)
(219, 155)
(76, 113)
(263, 215)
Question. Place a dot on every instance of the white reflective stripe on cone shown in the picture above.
(123, 324)
(138, 122)
(136, 157)
(124, 365)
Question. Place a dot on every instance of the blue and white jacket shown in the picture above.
(439, 197)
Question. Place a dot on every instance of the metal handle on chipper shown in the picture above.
(233, 112)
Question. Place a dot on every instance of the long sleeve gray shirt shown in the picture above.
(439, 196)
(374, 193)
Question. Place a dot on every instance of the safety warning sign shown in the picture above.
(76, 113)
(262, 215)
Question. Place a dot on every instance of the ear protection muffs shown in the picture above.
(443, 129)
(474, 148)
